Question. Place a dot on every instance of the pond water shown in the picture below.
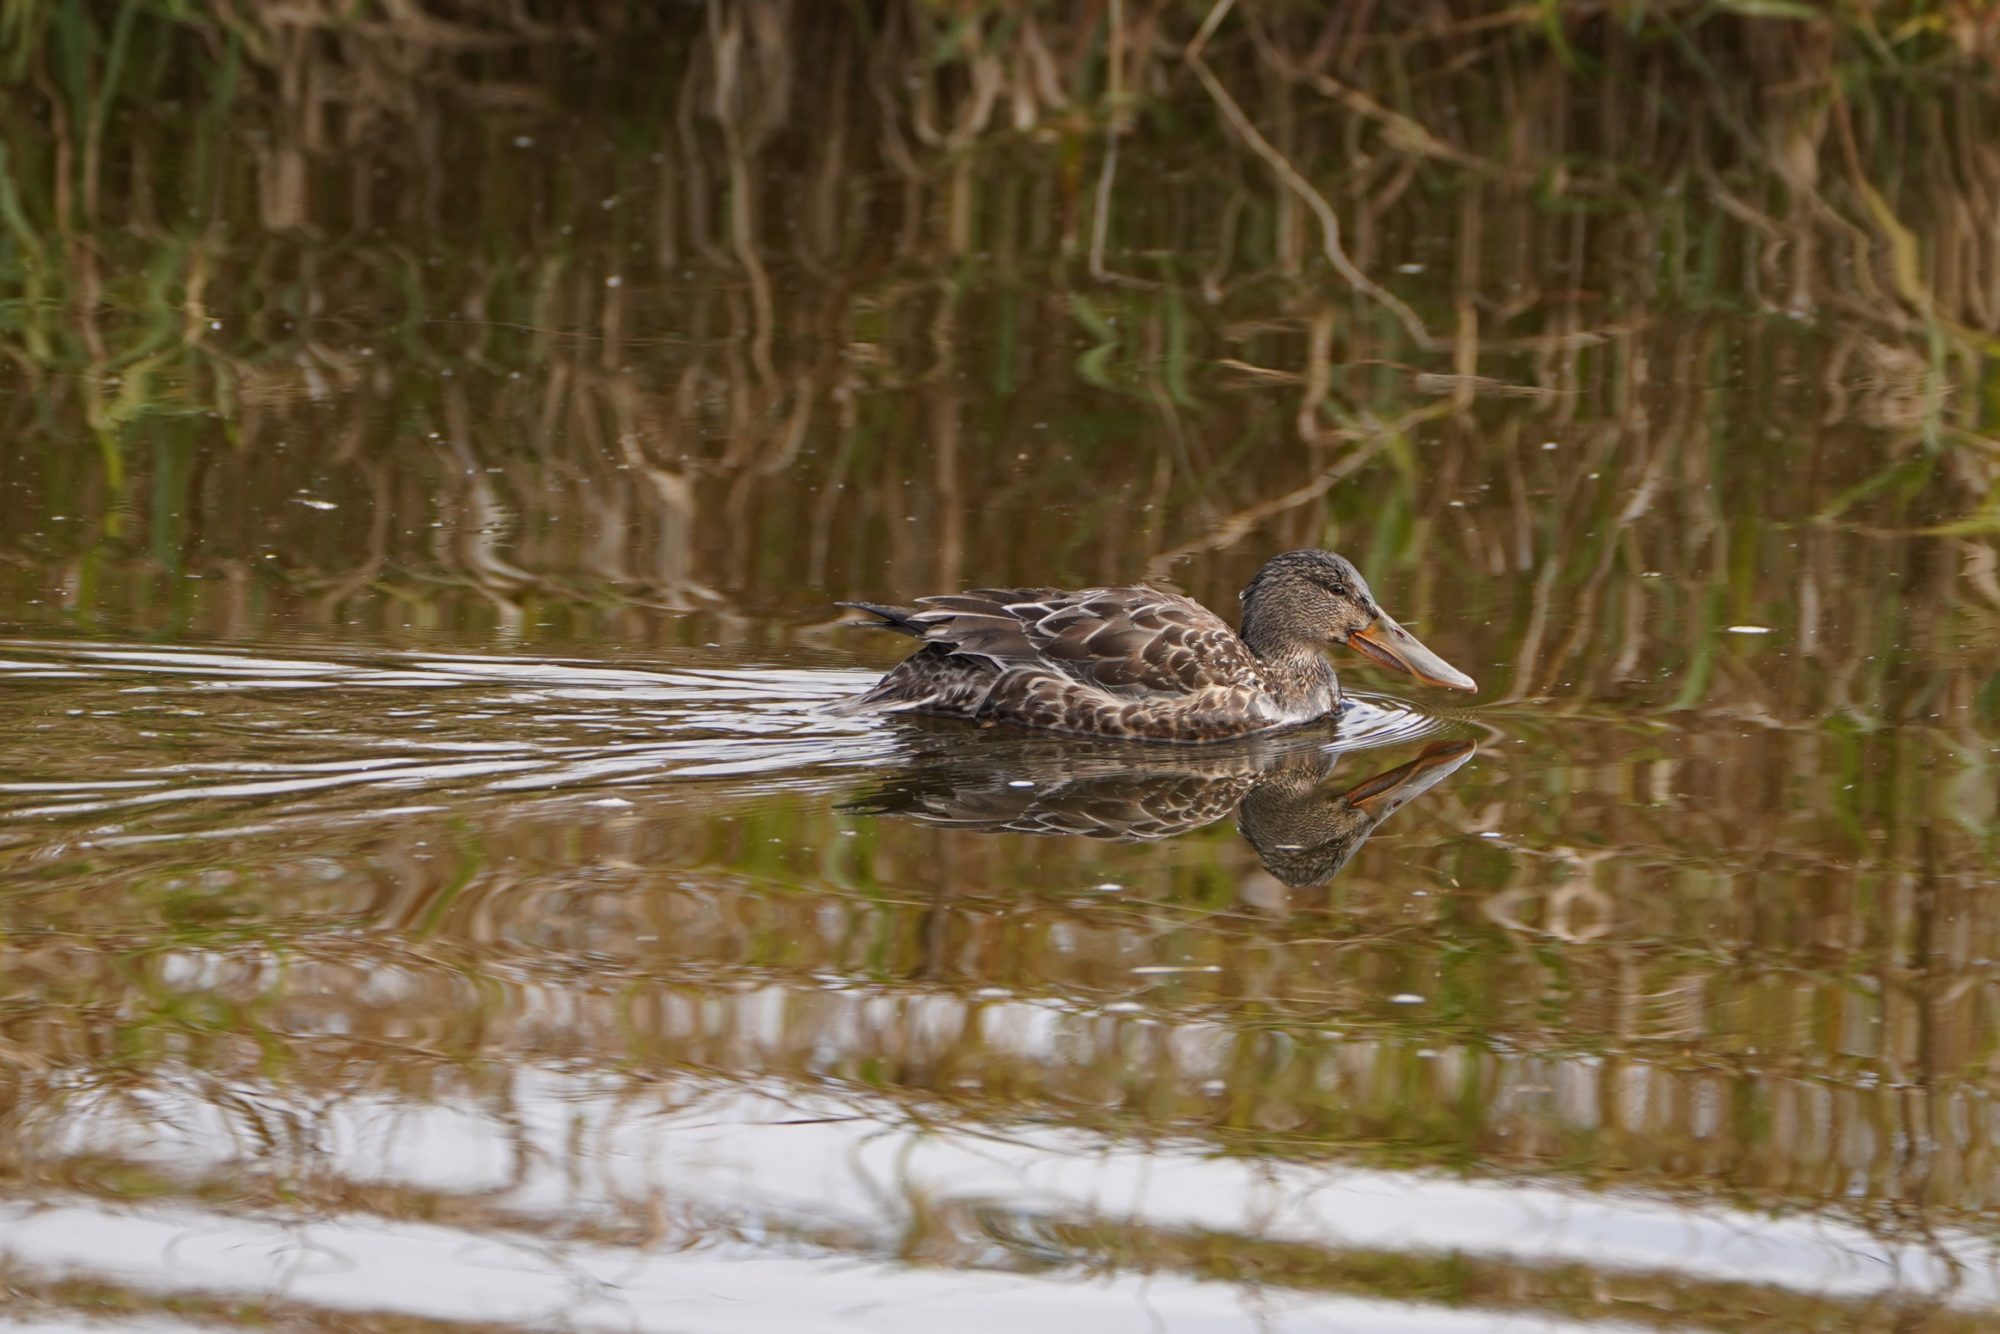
(434, 893)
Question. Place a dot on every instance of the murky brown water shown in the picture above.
(432, 894)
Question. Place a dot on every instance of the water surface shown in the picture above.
(433, 892)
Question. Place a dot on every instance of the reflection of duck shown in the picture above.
(1137, 662)
(1302, 832)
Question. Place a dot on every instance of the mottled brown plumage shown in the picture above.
(1142, 663)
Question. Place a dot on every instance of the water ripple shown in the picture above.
(123, 728)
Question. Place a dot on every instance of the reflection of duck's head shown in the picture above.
(1302, 833)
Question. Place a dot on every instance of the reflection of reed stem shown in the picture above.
(1329, 221)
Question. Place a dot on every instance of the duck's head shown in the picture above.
(1306, 598)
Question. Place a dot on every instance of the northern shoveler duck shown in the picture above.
(1138, 662)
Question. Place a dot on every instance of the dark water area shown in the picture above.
(435, 894)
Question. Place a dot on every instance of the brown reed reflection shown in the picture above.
(811, 299)
(1717, 1007)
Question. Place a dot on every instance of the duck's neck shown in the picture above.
(1298, 671)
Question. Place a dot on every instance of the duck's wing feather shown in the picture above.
(1131, 641)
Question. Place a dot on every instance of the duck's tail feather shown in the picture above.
(866, 702)
(891, 618)
(932, 680)
(891, 692)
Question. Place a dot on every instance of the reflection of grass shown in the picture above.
(95, 73)
(660, 947)
(1184, 366)
(1574, 1292)
(1536, 960)
(981, 1237)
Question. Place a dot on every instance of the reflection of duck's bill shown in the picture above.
(1391, 788)
(1391, 645)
